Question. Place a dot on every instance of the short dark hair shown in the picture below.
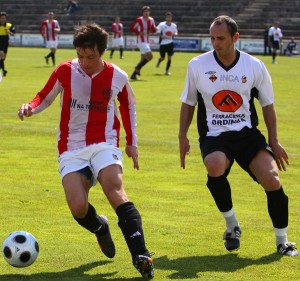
(231, 24)
(146, 8)
(90, 36)
(3, 14)
(168, 14)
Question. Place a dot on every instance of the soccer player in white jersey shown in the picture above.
(166, 30)
(88, 140)
(49, 29)
(275, 38)
(142, 27)
(224, 83)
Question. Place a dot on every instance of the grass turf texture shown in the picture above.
(181, 222)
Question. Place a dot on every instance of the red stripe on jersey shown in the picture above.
(99, 102)
(126, 120)
(62, 142)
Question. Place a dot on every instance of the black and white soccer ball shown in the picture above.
(20, 249)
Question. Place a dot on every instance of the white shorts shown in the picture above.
(51, 44)
(117, 42)
(144, 47)
(95, 156)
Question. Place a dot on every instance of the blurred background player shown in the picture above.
(275, 34)
(167, 30)
(48, 30)
(291, 47)
(117, 40)
(142, 27)
(6, 30)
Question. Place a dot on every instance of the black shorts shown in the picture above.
(240, 146)
(3, 44)
(275, 44)
(168, 48)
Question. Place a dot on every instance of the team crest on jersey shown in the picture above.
(244, 79)
(227, 101)
(212, 76)
(115, 156)
(106, 93)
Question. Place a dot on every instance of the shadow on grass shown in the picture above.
(188, 267)
(76, 274)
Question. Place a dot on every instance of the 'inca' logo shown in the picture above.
(227, 101)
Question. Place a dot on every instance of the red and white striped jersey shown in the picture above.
(117, 29)
(47, 29)
(143, 26)
(89, 112)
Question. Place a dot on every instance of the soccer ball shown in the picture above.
(20, 249)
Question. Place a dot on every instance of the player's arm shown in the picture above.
(186, 117)
(43, 99)
(279, 152)
(134, 28)
(128, 114)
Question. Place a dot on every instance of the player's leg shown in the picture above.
(2, 61)
(162, 53)
(76, 186)
(264, 168)
(53, 51)
(146, 56)
(121, 51)
(130, 221)
(170, 51)
(218, 166)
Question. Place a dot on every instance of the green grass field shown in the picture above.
(181, 222)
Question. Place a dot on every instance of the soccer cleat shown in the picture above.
(133, 77)
(4, 73)
(167, 73)
(47, 60)
(105, 242)
(144, 265)
(232, 239)
(287, 249)
(138, 71)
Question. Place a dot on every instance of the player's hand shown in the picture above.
(25, 110)
(280, 155)
(132, 152)
(184, 149)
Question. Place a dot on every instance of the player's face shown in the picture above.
(89, 60)
(222, 41)
(3, 19)
(146, 13)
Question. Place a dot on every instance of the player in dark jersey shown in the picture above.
(224, 83)
(6, 30)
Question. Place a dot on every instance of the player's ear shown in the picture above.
(236, 37)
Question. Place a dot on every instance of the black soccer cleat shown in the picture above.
(105, 242)
(144, 265)
(4, 73)
(287, 249)
(232, 239)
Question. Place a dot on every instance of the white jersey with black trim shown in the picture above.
(276, 33)
(225, 96)
(167, 31)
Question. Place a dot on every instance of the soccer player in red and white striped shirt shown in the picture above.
(142, 27)
(88, 139)
(117, 40)
(48, 30)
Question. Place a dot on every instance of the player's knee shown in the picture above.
(215, 166)
(78, 208)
